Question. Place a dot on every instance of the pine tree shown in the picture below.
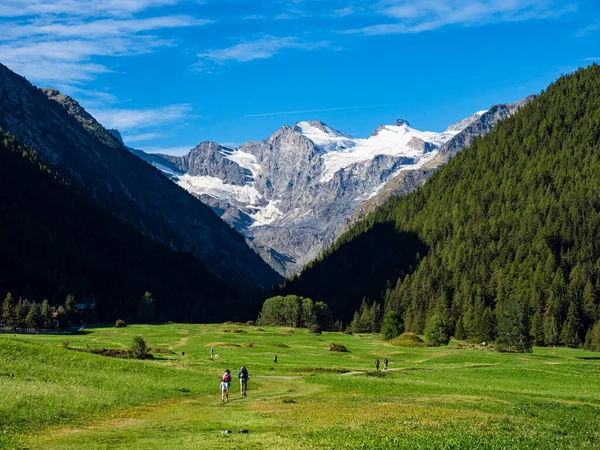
(438, 332)
(513, 326)
(569, 335)
(537, 329)
(21, 311)
(8, 311)
(392, 325)
(32, 320)
(551, 329)
(70, 308)
(147, 311)
(590, 308)
(595, 338)
(45, 314)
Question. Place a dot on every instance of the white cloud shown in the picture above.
(135, 119)
(99, 28)
(21, 8)
(175, 151)
(141, 137)
(409, 17)
(60, 40)
(262, 48)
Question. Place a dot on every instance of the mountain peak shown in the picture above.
(316, 127)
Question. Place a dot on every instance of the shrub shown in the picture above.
(315, 329)
(408, 340)
(250, 323)
(120, 323)
(139, 349)
(337, 348)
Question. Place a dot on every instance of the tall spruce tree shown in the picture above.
(32, 320)
(8, 311)
(571, 329)
(45, 314)
(513, 325)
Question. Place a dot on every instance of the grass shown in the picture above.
(450, 397)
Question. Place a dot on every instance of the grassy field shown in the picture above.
(54, 398)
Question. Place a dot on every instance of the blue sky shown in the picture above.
(170, 74)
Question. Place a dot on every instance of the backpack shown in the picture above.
(245, 373)
(227, 377)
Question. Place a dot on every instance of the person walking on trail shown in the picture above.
(212, 353)
(225, 383)
(275, 359)
(243, 376)
(377, 364)
(385, 364)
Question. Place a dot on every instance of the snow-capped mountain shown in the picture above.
(293, 193)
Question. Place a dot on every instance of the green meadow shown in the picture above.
(455, 397)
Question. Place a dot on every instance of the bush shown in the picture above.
(408, 340)
(120, 323)
(337, 348)
(139, 349)
(315, 329)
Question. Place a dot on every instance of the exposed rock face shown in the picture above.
(95, 162)
(479, 124)
(293, 194)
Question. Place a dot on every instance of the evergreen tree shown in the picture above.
(392, 325)
(70, 308)
(537, 329)
(513, 325)
(45, 314)
(438, 332)
(8, 311)
(147, 311)
(590, 308)
(551, 328)
(21, 311)
(32, 320)
(569, 335)
(595, 338)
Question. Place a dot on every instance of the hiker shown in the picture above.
(225, 383)
(212, 352)
(377, 364)
(243, 376)
(385, 364)
(275, 359)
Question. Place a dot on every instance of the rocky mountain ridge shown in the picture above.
(294, 193)
(96, 163)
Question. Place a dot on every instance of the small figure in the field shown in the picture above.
(385, 364)
(243, 376)
(275, 359)
(377, 364)
(225, 383)
(212, 352)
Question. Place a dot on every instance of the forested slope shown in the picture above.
(54, 242)
(514, 216)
